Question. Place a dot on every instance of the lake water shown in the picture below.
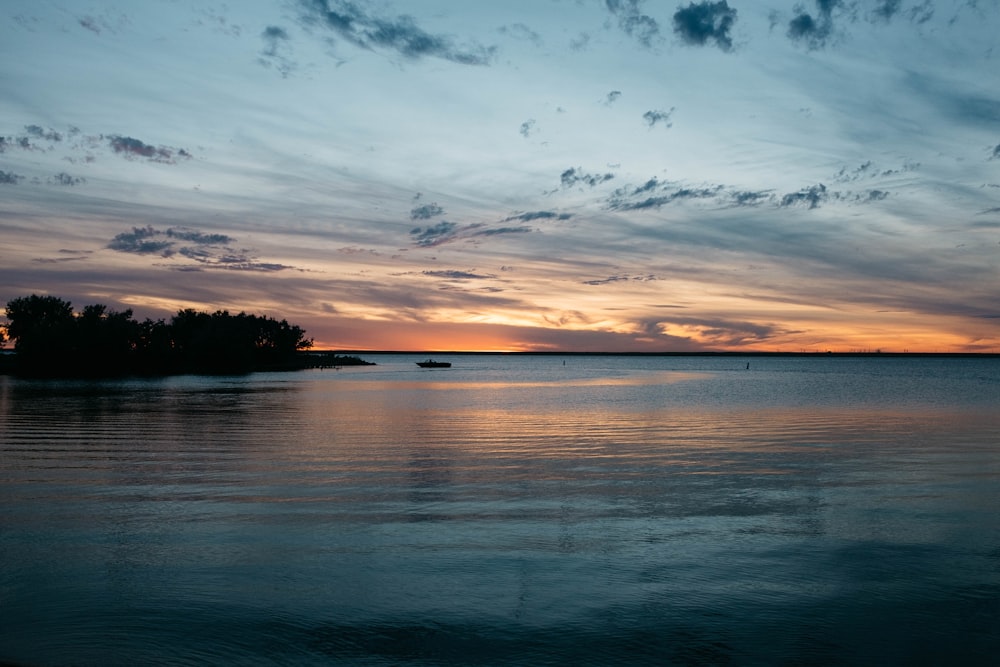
(508, 510)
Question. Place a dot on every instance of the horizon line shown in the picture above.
(703, 353)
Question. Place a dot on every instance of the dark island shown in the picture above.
(51, 340)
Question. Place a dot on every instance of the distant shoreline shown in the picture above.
(306, 360)
(441, 353)
(318, 359)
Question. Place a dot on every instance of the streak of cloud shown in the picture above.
(131, 148)
(622, 278)
(459, 275)
(530, 216)
(206, 251)
(495, 231)
(399, 34)
(434, 235)
(576, 176)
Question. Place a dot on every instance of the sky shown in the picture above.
(579, 175)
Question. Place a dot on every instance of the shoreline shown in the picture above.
(949, 355)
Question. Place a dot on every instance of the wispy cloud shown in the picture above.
(131, 149)
(459, 275)
(811, 197)
(355, 250)
(814, 31)
(721, 332)
(622, 278)
(863, 171)
(42, 133)
(612, 97)
(539, 215)
(65, 257)
(922, 13)
(641, 27)
(522, 32)
(10, 178)
(76, 147)
(205, 251)
(495, 231)
(104, 22)
(142, 241)
(448, 232)
(273, 36)
(197, 237)
(702, 22)
(658, 116)
(884, 10)
(751, 197)
(580, 42)
(400, 34)
(527, 128)
(434, 235)
(655, 194)
(90, 24)
(62, 178)
(277, 50)
(956, 99)
(30, 138)
(426, 211)
(576, 176)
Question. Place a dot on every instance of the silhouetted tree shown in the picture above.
(51, 340)
(42, 328)
(154, 348)
(226, 343)
(105, 340)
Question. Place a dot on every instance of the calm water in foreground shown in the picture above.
(509, 510)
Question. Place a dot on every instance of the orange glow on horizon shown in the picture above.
(788, 328)
(460, 337)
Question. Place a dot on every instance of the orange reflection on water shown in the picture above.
(652, 378)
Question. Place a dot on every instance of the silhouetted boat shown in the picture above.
(430, 363)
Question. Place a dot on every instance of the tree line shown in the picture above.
(50, 339)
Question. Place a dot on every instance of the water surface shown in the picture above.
(508, 510)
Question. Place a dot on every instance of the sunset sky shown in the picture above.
(588, 175)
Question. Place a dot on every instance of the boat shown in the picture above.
(430, 363)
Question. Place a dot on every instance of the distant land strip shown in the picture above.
(550, 353)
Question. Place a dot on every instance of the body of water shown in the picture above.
(509, 510)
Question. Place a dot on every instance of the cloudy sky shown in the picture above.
(603, 175)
